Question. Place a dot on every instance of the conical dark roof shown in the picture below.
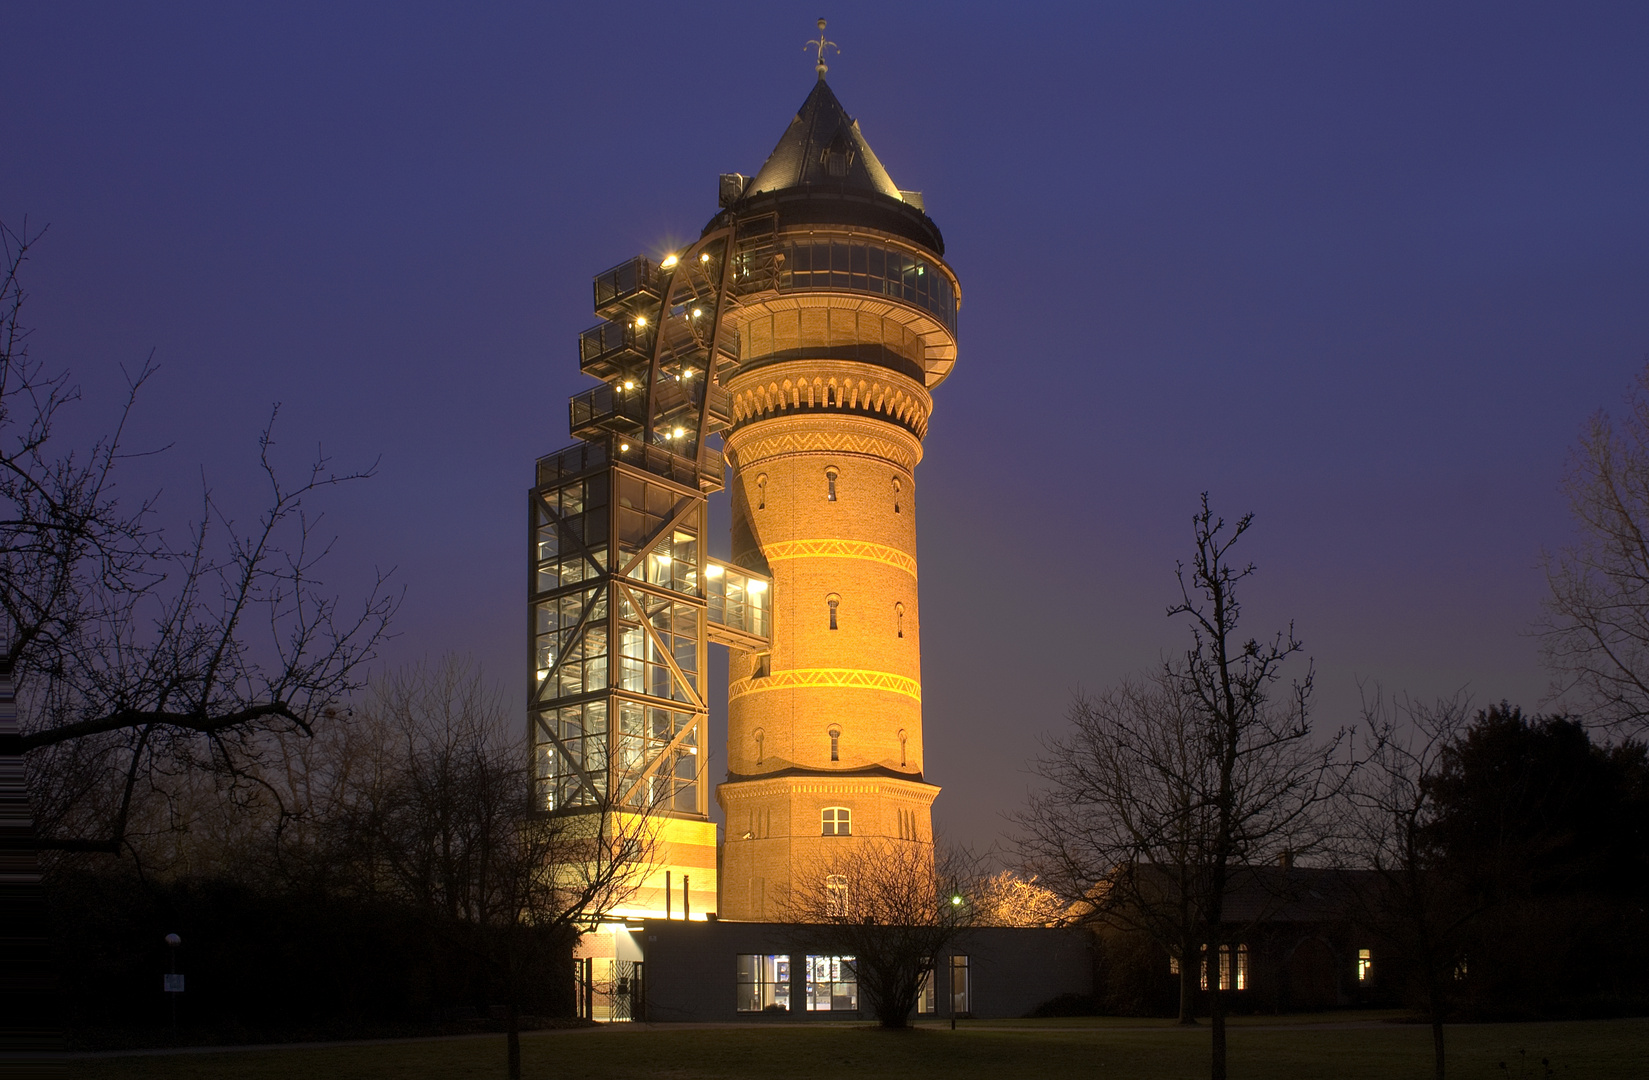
(823, 145)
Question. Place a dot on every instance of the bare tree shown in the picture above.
(440, 816)
(891, 907)
(1123, 824)
(1390, 804)
(134, 656)
(1167, 788)
(1596, 631)
(1269, 776)
(1008, 898)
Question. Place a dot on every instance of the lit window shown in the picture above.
(831, 602)
(764, 983)
(1225, 967)
(1173, 965)
(924, 994)
(1365, 965)
(837, 821)
(832, 982)
(830, 485)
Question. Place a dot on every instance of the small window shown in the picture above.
(896, 488)
(763, 666)
(924, 993)
(961, 987)
(761, 492)
(902, 739)
(835, 744)
(832, 601)
(899, 618)
(837, 821)
(830, 484)
(836, 895)
(1173, 964)
(1365, 965)
(764, 983)
(760, 735)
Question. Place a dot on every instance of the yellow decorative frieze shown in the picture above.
(851, 678)
(839, 549)
(747, 451)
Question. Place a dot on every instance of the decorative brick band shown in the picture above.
(832, 677)
(746, 451)
(840, 549)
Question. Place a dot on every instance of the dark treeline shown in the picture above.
(1540, 835)
(382, 876)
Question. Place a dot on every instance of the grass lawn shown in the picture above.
(1334, 1047)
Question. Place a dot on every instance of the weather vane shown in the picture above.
(822, 45)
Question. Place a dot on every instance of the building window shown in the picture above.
(902, 738)
(763, 666)
(832, 602)
(899, 618)
(761, 492)
(1365, 965)
(837, 821)
(1173, 964)
(924, 994)
(760, 735)
(835, 744)
(836, 896)
(896, 487)
(764, 983)
(832, 984)
(1226, 952)
(961, 987)
(830, 484)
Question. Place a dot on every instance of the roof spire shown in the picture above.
(822, 45)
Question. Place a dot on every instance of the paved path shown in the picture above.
(163, 1051)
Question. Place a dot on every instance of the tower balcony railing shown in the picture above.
(674, 397)
(628, 288)
(608, 408)
(615, 347)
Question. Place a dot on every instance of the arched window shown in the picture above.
(760, 735)
(902, 739)
(835, 744)
(836, 821)
(899, 618)
(836, 896)
(896, 488)
(832, 602)
(830, 484)
(761, 492)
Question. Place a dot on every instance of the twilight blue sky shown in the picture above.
(1360, 268)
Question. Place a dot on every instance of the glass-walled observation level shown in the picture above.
(855, 264)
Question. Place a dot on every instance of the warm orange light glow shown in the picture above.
(669, 261)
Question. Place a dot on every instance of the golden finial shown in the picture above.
(822, 46)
